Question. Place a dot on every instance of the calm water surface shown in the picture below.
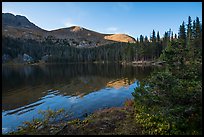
(78, 88)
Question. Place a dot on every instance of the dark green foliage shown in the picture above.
(146, 40)
(189, 31)
(198, 28)
(158, 37)
(153, 38)
(59, 51)
(166, 39)
(175, 36)
(172, 35)
(141, 39)
(170, 101)
(182, 34)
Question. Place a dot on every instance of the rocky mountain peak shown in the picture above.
(76, 28)
(18, 21)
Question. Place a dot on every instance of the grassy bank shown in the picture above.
(111, 121)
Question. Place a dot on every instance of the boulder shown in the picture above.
(27, 58)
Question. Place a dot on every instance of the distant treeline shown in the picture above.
(60, 51)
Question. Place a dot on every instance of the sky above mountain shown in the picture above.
(132, 18)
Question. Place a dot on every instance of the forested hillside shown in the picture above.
(60, 51)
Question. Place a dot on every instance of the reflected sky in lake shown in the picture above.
(78, 88)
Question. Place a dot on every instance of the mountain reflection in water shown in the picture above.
(78, 88)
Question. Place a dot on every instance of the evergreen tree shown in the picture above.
(194, 30)
(158, 37)
(175, 36)
(198, 28)
(146, 40)
(189, 31)
(141, 39)
(172, 36)
(182, 34)
(137, 42)
(165, 39)
(169, 34)
(153, 38)
(198, 37)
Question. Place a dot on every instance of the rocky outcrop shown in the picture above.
(27, 58)
(120, 38)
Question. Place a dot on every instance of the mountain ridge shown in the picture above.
(18, 26)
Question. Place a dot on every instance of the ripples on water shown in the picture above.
(78, 89)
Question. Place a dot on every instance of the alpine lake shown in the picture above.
(79, 89)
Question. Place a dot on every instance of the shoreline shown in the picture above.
(108, 121)
(133, 63)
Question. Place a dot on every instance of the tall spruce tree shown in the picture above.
(175, 36)
(189, 31)
(153, 38)
(198, 34)
(182, 34)
(198, 28)
(146, 40)
(172, 36)
(158, 37)
(165, 39)
(141, 39)
(194, 30)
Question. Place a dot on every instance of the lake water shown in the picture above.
(78, 88)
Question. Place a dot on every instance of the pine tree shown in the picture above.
(198, 35)
(137, 41)
(189, 31)
(146, 40)
(175, 36)
(141, 39)
(153, 37)
(182, 34)
(172, 36)
(158, 37)
(198, 28)
(169, 34)
(165, 39)
(194, 30)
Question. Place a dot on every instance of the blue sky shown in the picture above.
(132, 18)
